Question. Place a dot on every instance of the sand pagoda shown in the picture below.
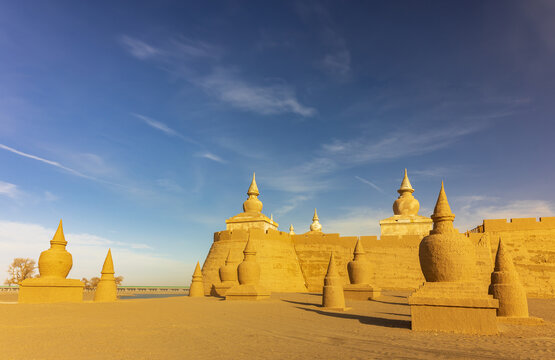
(315, 226)
(107, 290)
(405, 219)
(228, 277)
(359, 277)
(450, 299)
(248, 274)
(332, 296)
(197, 288)
(52, 285)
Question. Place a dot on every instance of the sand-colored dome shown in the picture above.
(248, 272)
(315, 226)
(445, 254)
(228, 272)
(56, 262)
(252, 204)
(359, 267)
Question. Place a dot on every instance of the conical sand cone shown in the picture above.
(197, 286)
(107, 290)
(333, 297)
(506, 287)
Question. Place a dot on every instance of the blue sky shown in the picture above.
(140, 124)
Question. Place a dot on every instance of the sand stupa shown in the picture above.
(315, 226)
(52, 286)
(291, 230)
(248, 274)
(507, 288)
(107, 290)
(228, 277)
(332, 296)
(359, 277)
(451, 299)
(405, 219)
(197, 287)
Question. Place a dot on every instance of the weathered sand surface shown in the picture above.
(288, 326)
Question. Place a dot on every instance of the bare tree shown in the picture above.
(19, 270)
(93, 282)
(119, 280)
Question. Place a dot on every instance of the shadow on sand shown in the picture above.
(367, 320)
(390, 303)
(301, 303)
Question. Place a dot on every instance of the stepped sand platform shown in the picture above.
(287, 326)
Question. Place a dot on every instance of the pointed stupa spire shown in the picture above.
(197, 271)
(249, 248)
(332, 269)
(358, 248)
(59, 237)
(252, 204)
(291, 230)
(442, 216)
(405, 185)
(108, 267)
(503, 259)
(315, 226)
(228, 258)
(253, 189)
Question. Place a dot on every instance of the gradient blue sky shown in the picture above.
(140, 124)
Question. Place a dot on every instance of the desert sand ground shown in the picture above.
(288, 326)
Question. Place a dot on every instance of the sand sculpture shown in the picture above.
(197, 287)
(52, 285)
(332, 297)
(228, 277)
(315, 226)
(450, 299)
(248, 274)
(507, 288)
(107, 290)
(406, 220)
(359, 277)
(291, 230)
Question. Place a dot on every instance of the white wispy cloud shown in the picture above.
(368, 182)
(46, 161)
(164, 128)
(185, 58)
(262, 99)
(170, 185)
(210, 156)
(138, 48)
(136, 262)
(8, 189)
(291, 204)
(356, 221)
(337, 63)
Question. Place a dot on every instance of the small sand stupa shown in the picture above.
(52, 285)
(251, 217)
(359, 276)
(333, 297)
(291, 230)
(315, 226)
(405, 219)
(228, 277)
(248, 274)
(451, 299)
(197, 287)
(507, 288)
(107, 290)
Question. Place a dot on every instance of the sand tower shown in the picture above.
(197, 287)
(291, 230)
(228, 277)
(248, 274)
(315, 226)
(52, 285)
(359, 277)
(332, 297)
(405, 219)
(450, 299)
(107, 290)
(507, 288)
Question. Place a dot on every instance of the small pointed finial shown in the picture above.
(198, 271)
(108, 267)
(315, 217)
(59, 237)
(442, 207)
(332, 269)
(249, 248)
(271, 217)
(291, 230)
(358, 248)
(253, 188)
(228, 258)
(405, 185)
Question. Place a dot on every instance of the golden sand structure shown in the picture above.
(332, 295)
(54, 266)
(107, 290)
(359, 287)
(228, 277)
(197, 288)
(248, 274)
(297, 262)
(451, 299)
